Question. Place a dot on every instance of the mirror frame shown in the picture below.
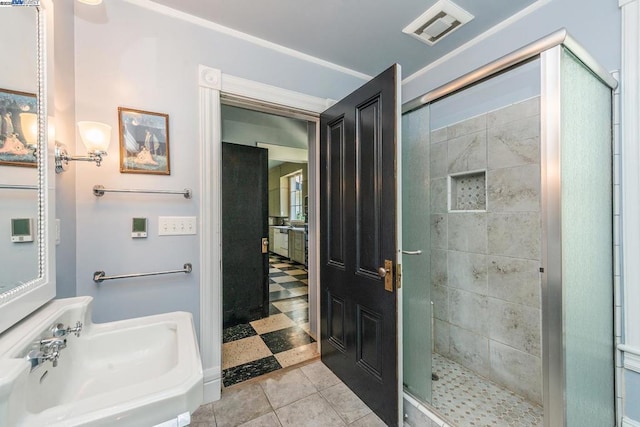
(17, 303)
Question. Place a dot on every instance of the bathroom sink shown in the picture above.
(134, 372)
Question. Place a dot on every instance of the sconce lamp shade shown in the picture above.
(96, 136)
(29, 124)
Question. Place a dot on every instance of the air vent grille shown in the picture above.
(441, 19)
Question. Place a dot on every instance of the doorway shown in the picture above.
(278, 335)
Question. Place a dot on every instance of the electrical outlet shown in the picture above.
(176, 225)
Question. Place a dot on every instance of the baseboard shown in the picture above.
(628, 422)
(631, 357)
(212, 387)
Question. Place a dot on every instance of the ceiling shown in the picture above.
(362, 35)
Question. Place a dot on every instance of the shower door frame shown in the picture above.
(553, 356)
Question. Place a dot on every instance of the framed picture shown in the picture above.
(144, 142)
(14, 147)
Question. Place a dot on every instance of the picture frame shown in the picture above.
(14, 148)
(144, 142)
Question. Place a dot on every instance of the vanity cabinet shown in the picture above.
(297, 246)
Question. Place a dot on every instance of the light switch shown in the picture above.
(176, 225)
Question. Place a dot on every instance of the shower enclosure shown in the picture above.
(508, 252)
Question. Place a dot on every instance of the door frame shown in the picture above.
(213, 84)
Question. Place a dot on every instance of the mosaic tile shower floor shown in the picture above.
(275, 342)
(466, 399)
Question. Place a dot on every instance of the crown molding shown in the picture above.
(192, 19)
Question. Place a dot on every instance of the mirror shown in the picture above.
(18, 89)
(26, 261)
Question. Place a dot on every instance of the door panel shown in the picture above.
(335, 198)
(368, 140)
(335, 325)
(245, 268)
(370, 343)
(357, 234)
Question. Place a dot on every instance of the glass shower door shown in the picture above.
(416, 276)
(578, 225)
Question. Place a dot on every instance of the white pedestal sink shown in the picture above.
(136, 372)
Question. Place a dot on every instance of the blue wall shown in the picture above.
(129, 56)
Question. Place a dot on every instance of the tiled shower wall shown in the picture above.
(485, 265)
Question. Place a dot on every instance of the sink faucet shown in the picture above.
(49, 348)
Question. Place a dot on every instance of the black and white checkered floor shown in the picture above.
(280, 340)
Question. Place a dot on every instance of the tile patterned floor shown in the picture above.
(466, 399)
(310, 395)
(278, 341)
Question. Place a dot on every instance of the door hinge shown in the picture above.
(398, 276)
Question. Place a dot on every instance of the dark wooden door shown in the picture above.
(359, 321)
(245, 268)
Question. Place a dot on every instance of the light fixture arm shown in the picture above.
(62, 158)
(92, 157)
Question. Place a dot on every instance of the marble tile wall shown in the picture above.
(485, 265)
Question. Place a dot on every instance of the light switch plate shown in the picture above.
(176, 225)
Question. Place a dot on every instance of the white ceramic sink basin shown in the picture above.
(137, 372)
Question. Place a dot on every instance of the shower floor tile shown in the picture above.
(466, 399)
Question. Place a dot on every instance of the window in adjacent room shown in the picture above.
(295, 196)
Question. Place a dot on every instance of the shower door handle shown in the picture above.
(418, 252)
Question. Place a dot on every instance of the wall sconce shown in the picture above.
(96, 137)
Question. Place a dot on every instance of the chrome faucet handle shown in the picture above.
(59, 330)
(54, 357)
(76, 330)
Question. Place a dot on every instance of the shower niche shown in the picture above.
(468, 192)
(513, 303)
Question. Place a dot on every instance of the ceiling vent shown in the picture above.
(441, 19)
